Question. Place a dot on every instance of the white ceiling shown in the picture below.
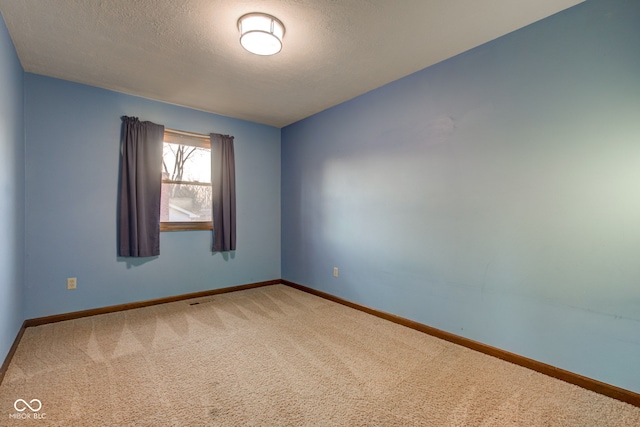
(187, 52)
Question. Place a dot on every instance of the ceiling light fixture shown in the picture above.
(261, 33)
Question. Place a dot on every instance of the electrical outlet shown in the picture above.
(335, 271)
(71, 283)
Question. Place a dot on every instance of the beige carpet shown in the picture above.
(276, 356)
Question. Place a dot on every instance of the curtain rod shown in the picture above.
(185, 133)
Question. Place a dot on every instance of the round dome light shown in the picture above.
(260, 33)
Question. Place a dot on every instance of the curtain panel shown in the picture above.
(223, 178)
(140, 188)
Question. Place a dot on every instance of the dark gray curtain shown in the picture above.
(140, 187)
(223, 180)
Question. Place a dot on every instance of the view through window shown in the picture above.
(186, 182)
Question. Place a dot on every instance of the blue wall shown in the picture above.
(72, 155)
(11, 192)
(495, 195)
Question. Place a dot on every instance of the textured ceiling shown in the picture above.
(187, 52)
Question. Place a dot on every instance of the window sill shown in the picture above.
(185, 226)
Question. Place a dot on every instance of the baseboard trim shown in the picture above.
(543, 368)
(12, 350)
(130, 306)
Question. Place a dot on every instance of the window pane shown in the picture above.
(186, 163)
(185, 203)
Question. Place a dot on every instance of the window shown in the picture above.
(185, 203)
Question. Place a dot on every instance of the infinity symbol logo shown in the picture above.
(27, 405)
